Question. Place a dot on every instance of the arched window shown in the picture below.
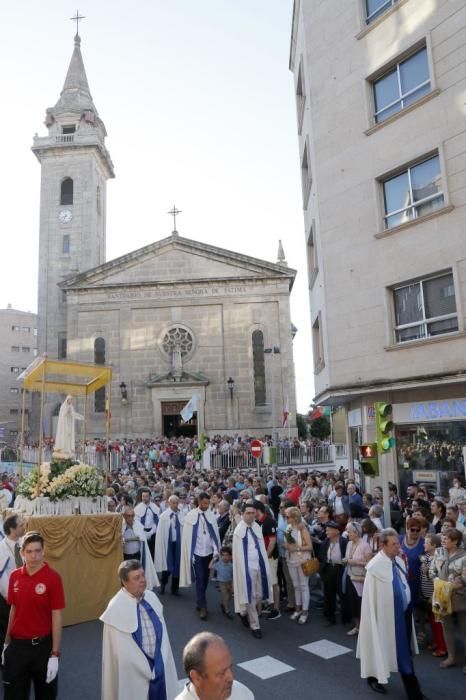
(66, 192)
(99, 359)
(259, 367)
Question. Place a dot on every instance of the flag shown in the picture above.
(108, 415)
(187, 412)
(286, 413)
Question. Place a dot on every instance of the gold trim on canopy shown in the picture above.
(59, 376)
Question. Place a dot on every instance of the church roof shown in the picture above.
(242, 266)
(76, 95)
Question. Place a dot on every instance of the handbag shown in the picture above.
(310, 566)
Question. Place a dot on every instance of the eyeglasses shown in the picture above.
(414, 529)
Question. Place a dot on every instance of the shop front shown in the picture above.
(430, 443)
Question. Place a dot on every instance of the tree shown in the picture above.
(302, 425)
(320, 427)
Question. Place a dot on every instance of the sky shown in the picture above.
(198, 102)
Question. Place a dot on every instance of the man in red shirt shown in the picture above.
(32, 643)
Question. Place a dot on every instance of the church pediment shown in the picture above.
(177, 259)
(168, 379)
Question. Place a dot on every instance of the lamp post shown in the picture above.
(274, 350)
(231, 386)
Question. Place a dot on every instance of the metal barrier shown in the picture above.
(234, 459)
(92, 457)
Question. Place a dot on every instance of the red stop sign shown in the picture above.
(256, 448)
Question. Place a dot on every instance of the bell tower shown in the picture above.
(75, 167)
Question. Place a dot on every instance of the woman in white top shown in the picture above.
(298, 547)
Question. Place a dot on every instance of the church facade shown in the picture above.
(177, 319)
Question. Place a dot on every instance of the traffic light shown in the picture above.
(368, 458)
(384, 427)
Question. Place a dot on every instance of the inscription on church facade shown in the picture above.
(179, 292)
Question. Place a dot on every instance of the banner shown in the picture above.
(187, 412)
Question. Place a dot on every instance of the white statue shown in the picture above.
(65, 441)
(177, 362)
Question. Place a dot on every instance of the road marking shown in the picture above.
(325, 649)
(266, 667)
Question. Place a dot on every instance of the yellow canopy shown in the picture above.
(62, 377)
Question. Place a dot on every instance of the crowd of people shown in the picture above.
(289, 544)
(263, 537)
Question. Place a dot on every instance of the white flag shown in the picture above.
(187, 412)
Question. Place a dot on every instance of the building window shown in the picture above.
(312, 264)
(15, 328)
(66, 192)
(13, 433)
(34, 352)
(62, 346)
(98, 201)
(26, 329)
(69, 129)
(14, 370)
(425, 308)
(402, 85)
(99, 359)
(66, 244)
(14, 390)
(317, 345)
(300, 96)
(259, 368)
(35, 331)
(25, 349)
(306, 176)
(14, 411)
(413, 193)
(376, 8)
(15, 348)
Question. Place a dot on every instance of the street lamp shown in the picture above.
(231, 386)
(274, 350)
(124, 393)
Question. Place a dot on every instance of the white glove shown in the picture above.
(3, 654)
(52, 669)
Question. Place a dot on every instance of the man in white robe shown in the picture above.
(137, 660)
(168, 546)
(386, 631)
(135, 546)
(199, 544)
(148, 514)
(209, 668)
(252, 581)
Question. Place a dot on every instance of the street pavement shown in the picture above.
(287, 672)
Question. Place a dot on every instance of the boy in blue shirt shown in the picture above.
(223, 569)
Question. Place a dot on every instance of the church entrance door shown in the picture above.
(172, 422)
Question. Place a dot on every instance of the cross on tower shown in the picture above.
(77, 18)
(173, 212)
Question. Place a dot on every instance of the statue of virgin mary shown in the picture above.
(65, 440)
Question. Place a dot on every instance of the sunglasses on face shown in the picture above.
(414, 529)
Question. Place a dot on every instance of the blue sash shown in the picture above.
(154, 515)
(213, 537)
(400, 604)
(173, 563)
(157, 689)
(262, 567)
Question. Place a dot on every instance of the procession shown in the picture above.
(253, 548)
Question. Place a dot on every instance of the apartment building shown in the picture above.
(381, 115)
(18, 348)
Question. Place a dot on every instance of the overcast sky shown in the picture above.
(198, 102)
